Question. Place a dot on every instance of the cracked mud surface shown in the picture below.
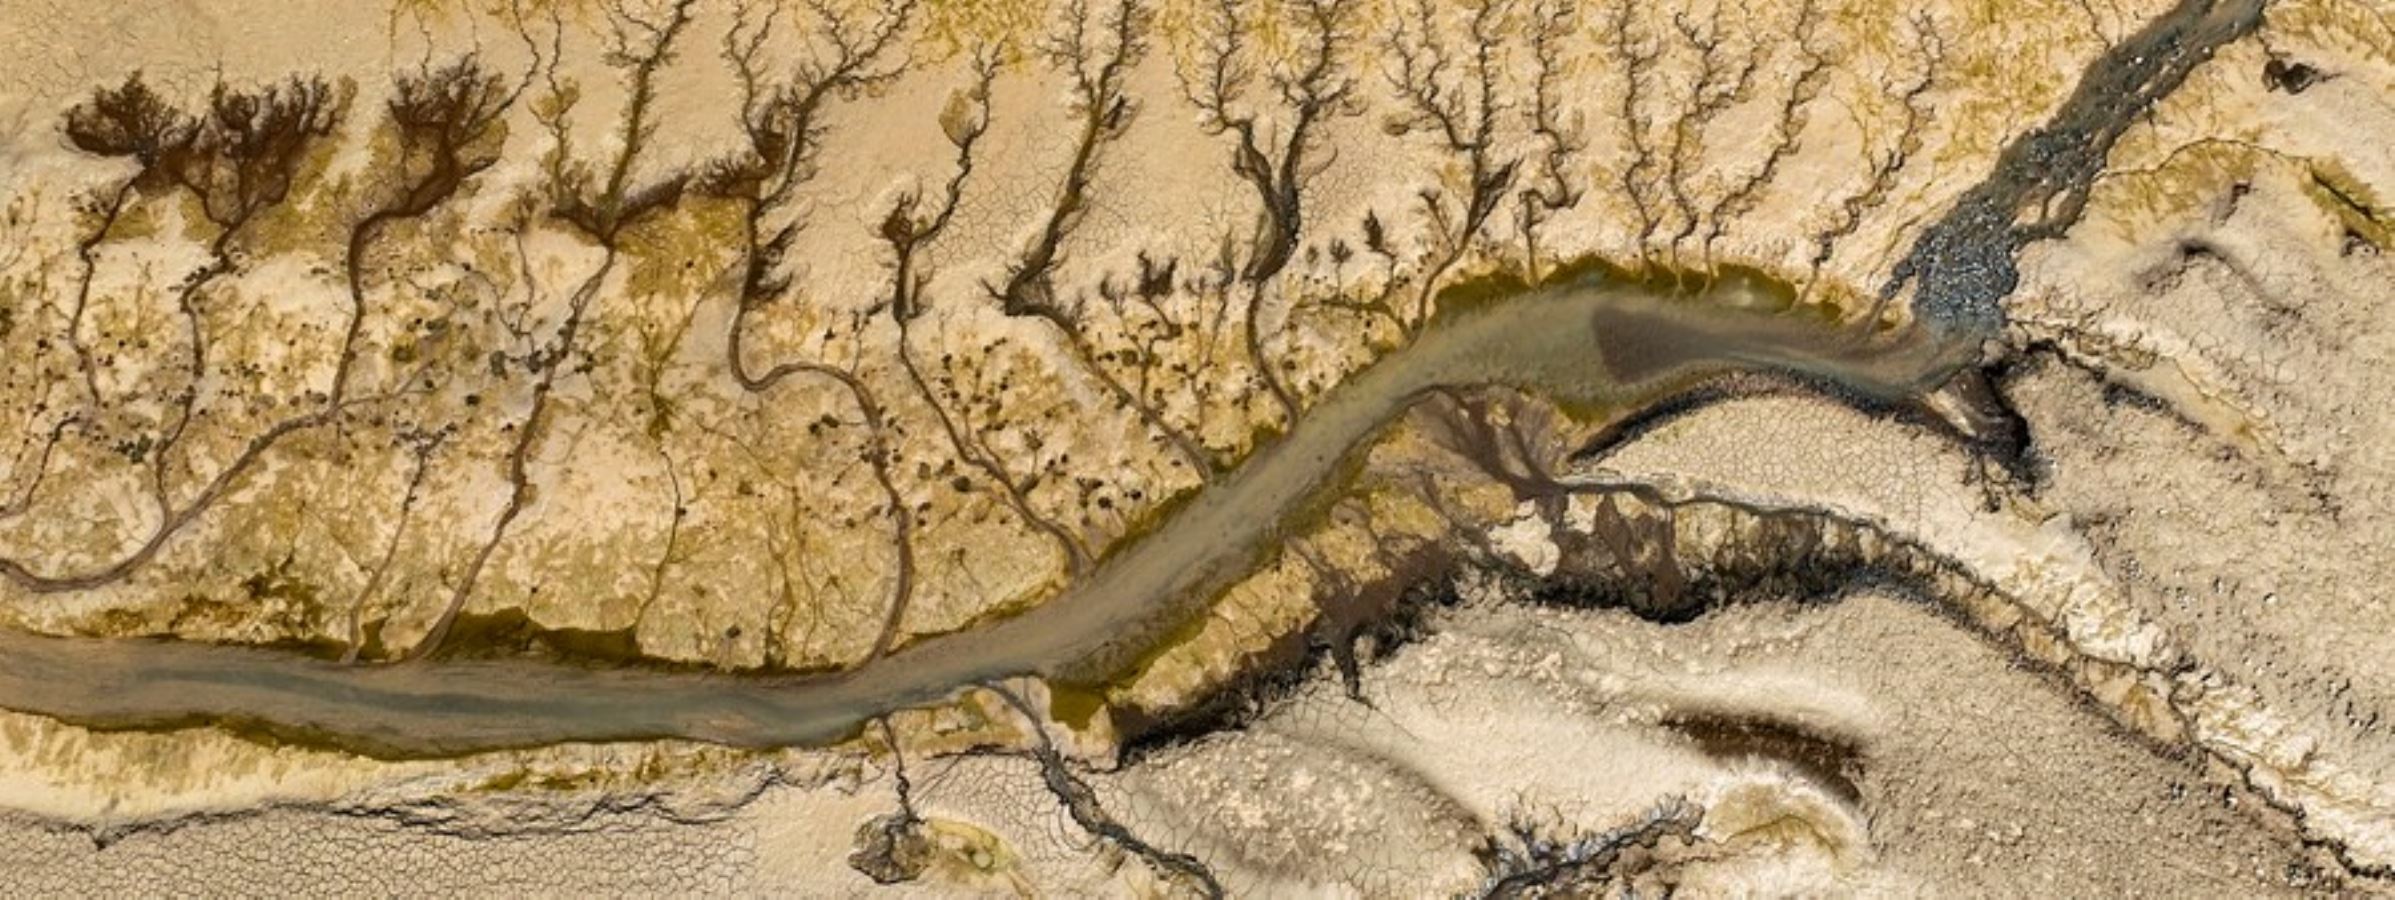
(1210, 447)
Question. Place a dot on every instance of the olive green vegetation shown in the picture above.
(1075, 706)
(510, 632)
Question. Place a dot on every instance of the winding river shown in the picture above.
(1598, 342)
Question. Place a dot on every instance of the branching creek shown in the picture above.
(1598, 341)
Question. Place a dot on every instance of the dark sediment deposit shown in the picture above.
(1962, 267)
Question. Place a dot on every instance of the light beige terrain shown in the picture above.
(1260, 447)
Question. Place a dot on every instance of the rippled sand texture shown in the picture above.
(1263, 447)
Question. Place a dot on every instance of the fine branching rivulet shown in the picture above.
(1724, 77)
(1636, 53)
(1554, 183)
(1448, 87)
(1811, 69)
(600, 208)
(1096, 50)
(785, 129)
(911, 226)
(1279, 153)
(236, 162)
(1081, 803)
(1886, 163)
